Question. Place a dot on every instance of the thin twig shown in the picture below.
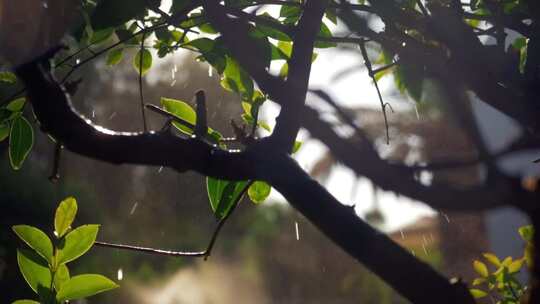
(55, 175)
(367, 63)
(151, 250)
(201, 125)
(204, 254)
(141, 57)
(222, 222)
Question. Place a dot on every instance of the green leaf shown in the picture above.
(259, 191)
(112, 13)
(481, 268)
(237, 80)
(64, 216)
(21, 140)
(76, 243)
(290, 13)
(25, 302)
(212, 52)
(526, 233)
(493, 259)
(115, 56)
(4, 131)
(278, 54)
(223, 194)
(297, 146)
(61, 276)
(520, 45)
(477, 293)
(285, 47)
(515, 266)
(146, 61)
(36, 239)
(409, 79)
(284, 71)
(16, 105)
(8, 77)
(34, 270)
(324, 33)
(478, 281)
(83, 286)
(181, 110)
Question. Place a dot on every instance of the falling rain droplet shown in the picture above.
(404, 44)
(425, 250)
(45, 4)
(446, 217)
(120, 274)
(402, 234)
(160, 169)
(297, 231)
(416, 111)
(112, 115)
(210, 71)
(173, 82)
(133, 208)
(413, 253)
(93, 114)
(173, 73)
(77, 61)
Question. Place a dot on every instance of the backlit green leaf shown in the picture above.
(21, 140)
(493, 259)
(477, 293)
(297, 146)
(16, 105)
(34, 270)
(36, 239)
(259, 191)
(64, 216)
(223, 194)
(237, 80)
(76, 243)
(8, 77)
(83, 286)
(61, 276)
(515, 266)
(181, 110)
(526, 233)
(146, 61)
(481, 268)
(324, 33)
(115, 56)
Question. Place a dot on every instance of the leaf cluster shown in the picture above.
(43, 262)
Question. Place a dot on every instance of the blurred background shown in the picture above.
(266, 253)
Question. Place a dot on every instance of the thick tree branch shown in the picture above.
(340, 223)
(288, 121)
